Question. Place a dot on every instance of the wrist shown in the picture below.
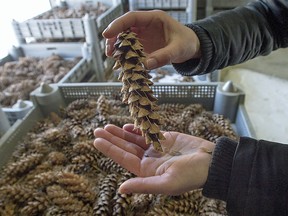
(205, 52)
(195, 41)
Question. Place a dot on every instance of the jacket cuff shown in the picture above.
(218, 180)
(193, 67)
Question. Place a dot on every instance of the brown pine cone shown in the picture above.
(136, 89)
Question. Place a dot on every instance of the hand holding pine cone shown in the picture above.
(136, 89)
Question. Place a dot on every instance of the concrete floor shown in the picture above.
(265, 83)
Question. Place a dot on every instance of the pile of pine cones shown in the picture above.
(65, 12)
(19, 78)
(93, 11)
(56, 170)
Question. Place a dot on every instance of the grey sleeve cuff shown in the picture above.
(218, 180)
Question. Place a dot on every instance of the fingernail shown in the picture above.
(123, 191)
(151, 63)
(107, 49)
(105, 30)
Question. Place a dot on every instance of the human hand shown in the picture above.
(164, 39)
(183, 167)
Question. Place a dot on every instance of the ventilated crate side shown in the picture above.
(78, 3)
(66, 28)
(168, 74)
(185, 93)
(166, 93)
(183, 11)
(34, 29)
(161, 4)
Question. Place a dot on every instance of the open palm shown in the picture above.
(181, 167)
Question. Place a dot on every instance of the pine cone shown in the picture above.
(23, 165)
(107, 188)
(136, 89)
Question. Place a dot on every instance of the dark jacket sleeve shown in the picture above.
(235, 36)
(251, 176)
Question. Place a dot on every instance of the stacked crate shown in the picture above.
(72, 31)
(68, 38)
(29, 64)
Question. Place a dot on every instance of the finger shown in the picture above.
(119, 141)
(109, 47)
(128, 135)
(126, 21)
(161, 57)
(131, 128)
(149, 185)
(125, 159)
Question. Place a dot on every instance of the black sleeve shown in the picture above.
(256, 183)
(232, 37)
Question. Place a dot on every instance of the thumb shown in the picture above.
(158, 58)
(147, 185)
(162, 57)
